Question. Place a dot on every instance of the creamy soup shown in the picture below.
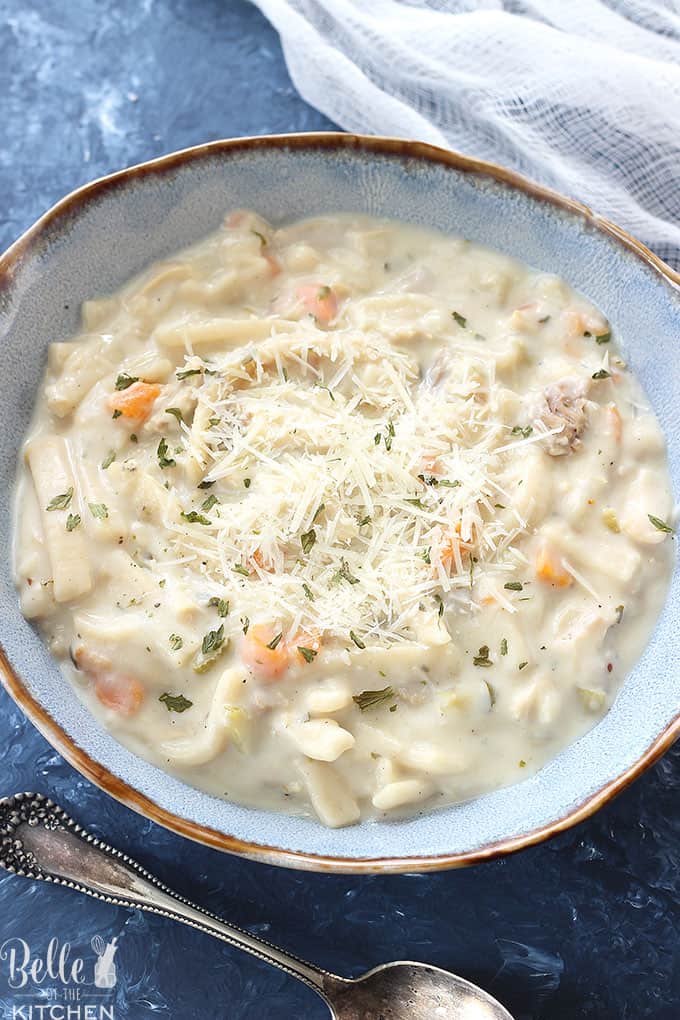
(347, 517)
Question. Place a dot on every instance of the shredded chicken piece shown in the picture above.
(564, 404)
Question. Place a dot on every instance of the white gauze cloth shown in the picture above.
(580, 95)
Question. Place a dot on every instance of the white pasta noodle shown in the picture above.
(346, 518)
(48, 459)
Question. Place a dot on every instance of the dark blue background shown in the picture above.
(584, 926)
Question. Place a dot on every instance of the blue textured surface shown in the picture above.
(582, 927)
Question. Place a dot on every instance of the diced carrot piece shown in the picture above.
(549, 567)
(428, 463)
(305, 639)
(319, 301)
(136, 401)
(119, 691)
(449, 545)
(259, 558)
(267, 663)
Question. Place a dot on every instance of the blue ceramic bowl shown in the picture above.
(98, 237)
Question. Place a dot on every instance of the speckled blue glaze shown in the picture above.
(118, 230)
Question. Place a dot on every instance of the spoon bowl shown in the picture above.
(410, 991)
(38, 840)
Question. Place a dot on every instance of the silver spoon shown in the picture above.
(39, 840)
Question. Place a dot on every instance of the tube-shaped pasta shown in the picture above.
(401, 793)
(321, 739)
(329, 795)
(81, 369)
(53, 475)
(225, 332)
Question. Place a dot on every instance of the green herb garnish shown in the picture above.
(99, 511)
(602, 374)
(61, 502)
(238, 568)
(245, 623)
(307, 540)
(72, 522)
(308, 654)
(504, 646)
(357, 641)
(619, 613)
(116, 414)
(163, 459)
(519, 431)
(176, 642)
(209, 503)
(424, 554)
(319, 510)
(175, 412)
(175, 702)
(108, 459)
(658, 524)
(275, 641)
(308, 591)
(124, 380)
(440, 601)
(205, 485)
(246, 483)
(369, 699)
(187, 372)
(482, 657)
(213, 641)
(513, 586)
(460, 319)
(522, 665)
(221, 605)
(344, 574)
(193, 517)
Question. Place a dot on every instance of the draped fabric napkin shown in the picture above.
(580, 95)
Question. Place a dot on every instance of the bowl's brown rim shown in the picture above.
(117, 787)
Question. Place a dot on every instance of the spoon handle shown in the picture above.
(39, 840)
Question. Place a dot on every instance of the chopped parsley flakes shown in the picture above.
(175, 702)
(61, 502)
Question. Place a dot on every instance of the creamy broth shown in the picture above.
(347, 517)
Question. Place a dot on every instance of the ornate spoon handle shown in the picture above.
(39, 840)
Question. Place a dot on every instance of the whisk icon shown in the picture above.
(104, 968)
